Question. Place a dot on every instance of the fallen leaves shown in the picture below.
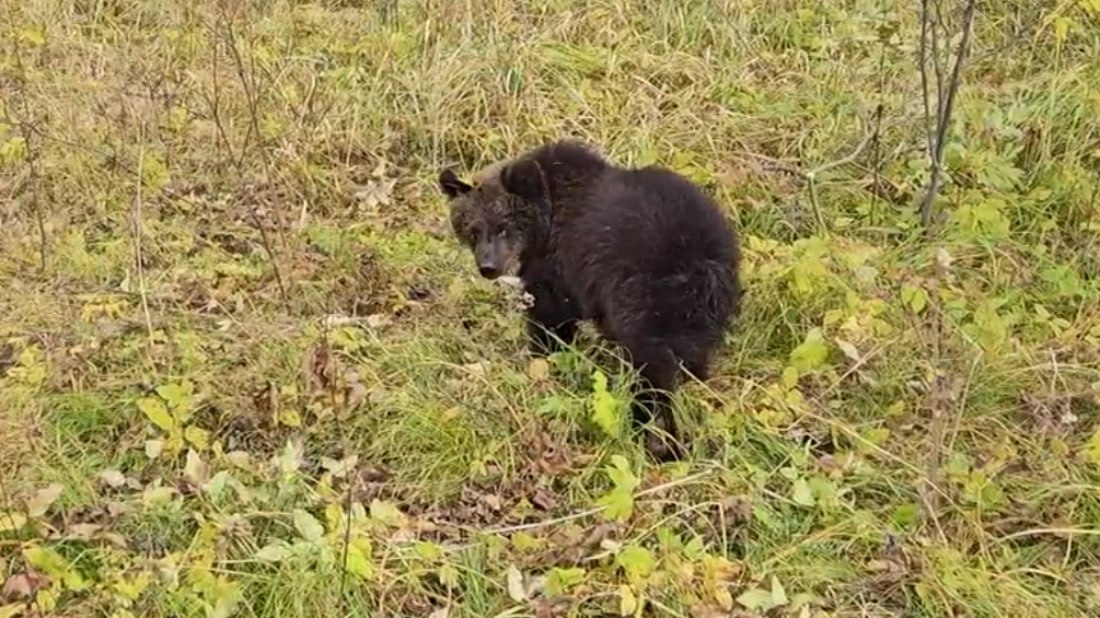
(112, 478)
(23, 586)
(538, 370)
(11, 521)
(43, 499)
(764, 600)
(514, 582)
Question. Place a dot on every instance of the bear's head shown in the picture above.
(497, 218)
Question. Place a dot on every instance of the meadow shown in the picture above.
(246, 370)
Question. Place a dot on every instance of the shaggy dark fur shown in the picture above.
(642, 252)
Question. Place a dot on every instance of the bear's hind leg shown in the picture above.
(658, 368)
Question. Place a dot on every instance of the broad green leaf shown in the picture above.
(387, 513)
(155, 496)
(226, 595)
(449, 576)
(756, 599)
(13, 150)
(618, 505)
(619, 502)
(801, 493)
(606, 409)
(905, 515)
(636, 561)
(56, 566)
(914, 297)
(428, 550)
(559, 580)
(45, 600)
(357, 562)
(217, 485)
(811, 353)
(621, 475)
(174, 444)
(131, 588)
(274, 552)
(760, 600)
(308, 526)
(178, 397)
(789, 377)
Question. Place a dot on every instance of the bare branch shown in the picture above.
(137, 231)
(247, 79)
(945, 100)
(27, 131)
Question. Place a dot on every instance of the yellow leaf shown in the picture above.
(628, 603)
(308, 526)
(174, 444)
(155, 496)
(538, 369)
(357, 562)
(1092, 449)
(45, 600)
(386, 513)
(1062, 26)
(197, 437)
(33, 36)
(789, 377)
(289, 416)
(11, 521)
(131, 589)
(157, 413)
(724, 598)
(448, 576)
(153, 448)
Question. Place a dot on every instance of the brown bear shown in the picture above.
(642, 252)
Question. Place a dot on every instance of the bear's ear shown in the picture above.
(523, 178)
(451, 185)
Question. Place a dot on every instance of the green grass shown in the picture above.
(899, 424)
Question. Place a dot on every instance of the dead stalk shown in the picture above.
(945, 94)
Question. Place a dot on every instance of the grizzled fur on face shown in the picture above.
(497, 226)
(643, 253)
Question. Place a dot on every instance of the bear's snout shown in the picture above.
(489, 271)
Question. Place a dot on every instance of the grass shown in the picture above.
(246, 371)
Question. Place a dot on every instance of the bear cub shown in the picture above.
(642, 252)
